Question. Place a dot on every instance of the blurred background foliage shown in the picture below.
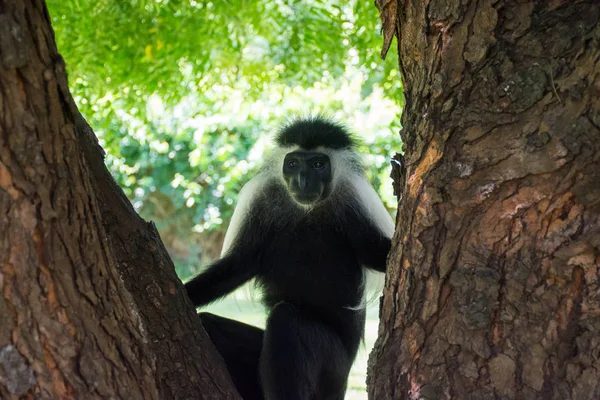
(184, 97)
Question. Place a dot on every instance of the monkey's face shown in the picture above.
(307, 175)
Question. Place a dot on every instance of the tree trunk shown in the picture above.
(493, 288)
(90, 306)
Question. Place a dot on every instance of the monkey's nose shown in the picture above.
(302, 181)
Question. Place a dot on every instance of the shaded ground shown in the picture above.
(242, 309)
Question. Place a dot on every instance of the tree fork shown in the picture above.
(89, 301)
(493, 287)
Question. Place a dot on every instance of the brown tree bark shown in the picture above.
(90, 306)
(493, 288)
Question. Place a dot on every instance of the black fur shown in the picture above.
(310, 133)
(240, 346)
(309, 265)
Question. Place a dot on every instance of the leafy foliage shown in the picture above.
(133, 49)
(182, 93)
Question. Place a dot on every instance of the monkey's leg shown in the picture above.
(240, 346)
(302, 358)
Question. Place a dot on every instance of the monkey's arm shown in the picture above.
(221, 278)
(371, 226)
(370, 243)
(373, 251)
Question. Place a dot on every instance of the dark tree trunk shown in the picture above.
(493, 288)
(90, 306)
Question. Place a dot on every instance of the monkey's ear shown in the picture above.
(246, 197)
(372, 205)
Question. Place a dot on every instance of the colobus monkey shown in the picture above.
(305, 227)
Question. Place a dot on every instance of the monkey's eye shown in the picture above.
(293, 164)
(318, 165)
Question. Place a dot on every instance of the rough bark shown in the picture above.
(493, 287)
(90, 306)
